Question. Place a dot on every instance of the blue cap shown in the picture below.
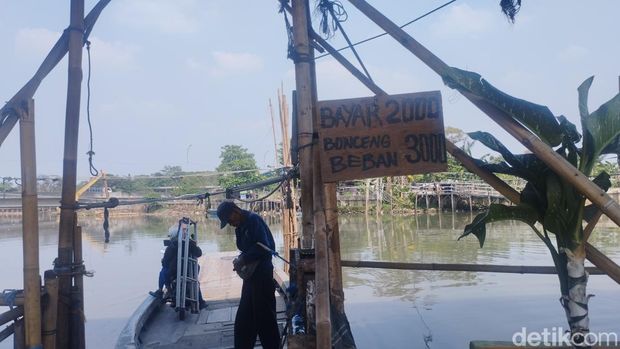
(223, 212)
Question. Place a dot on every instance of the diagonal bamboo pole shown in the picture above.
(558, 164)
(592, 254)
(8, 117)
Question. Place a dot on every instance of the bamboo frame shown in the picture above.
(30, 226)
(67, 213)
(592, 254)
(558, 164)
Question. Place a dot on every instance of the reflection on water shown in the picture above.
(389, 309)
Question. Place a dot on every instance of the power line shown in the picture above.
(385, 33)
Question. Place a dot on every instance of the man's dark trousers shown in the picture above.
(257, 312)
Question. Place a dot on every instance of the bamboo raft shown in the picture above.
(156, 325)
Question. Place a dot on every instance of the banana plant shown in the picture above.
(550, 205)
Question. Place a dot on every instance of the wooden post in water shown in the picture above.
(49, 311)
(77, 321)
(30, 227)
(335, 268)
(67, 212)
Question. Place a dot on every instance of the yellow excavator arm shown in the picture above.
(89, 184)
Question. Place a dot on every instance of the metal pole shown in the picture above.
(30, 228)
(72, 122)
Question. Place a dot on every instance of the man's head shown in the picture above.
(229, 213)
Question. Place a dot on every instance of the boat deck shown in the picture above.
(213, 327)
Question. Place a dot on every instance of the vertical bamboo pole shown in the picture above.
(77, 322)
(289, 215)
(273, 131)
(49, 314)
(30, 228)
(322, 231)
(335, 266)
(72, 122)
(303, 85)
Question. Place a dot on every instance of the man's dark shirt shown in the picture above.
(253, 229)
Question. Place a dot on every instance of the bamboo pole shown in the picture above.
(484, 268)
(289, 214)
(30, 227)
(322, 231)
(273, 132)
(72, 122)
(50, 310)
(11, 315)
(555, 161)
(7, 332)
(304, 136)
(79, 339)
(335, 268)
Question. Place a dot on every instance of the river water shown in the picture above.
(386, 309)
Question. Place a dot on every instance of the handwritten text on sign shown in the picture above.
(381, 136)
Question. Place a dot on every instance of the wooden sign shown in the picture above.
(381, 136)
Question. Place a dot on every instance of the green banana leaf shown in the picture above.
(537, 118)
(600, 128)
(499, 212)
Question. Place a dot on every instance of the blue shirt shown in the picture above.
(253, 229)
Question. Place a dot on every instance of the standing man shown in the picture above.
(257, 307)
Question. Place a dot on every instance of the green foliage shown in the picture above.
(549, 198)
(498, 212)
(537, 118)
(236, 158)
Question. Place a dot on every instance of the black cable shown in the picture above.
(385, 33)
(93, 170)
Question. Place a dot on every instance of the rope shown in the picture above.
(385, 33)
(291, 53)
(337, 12)
(93, 170)
(8, 296)
(106, 225)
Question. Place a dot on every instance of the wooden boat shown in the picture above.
(157, 325)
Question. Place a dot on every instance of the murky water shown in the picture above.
(387, 309)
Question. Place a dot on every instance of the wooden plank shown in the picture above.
(386, 135)
(219, 315)
(489, 268)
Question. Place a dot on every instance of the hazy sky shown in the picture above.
(172, 76)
